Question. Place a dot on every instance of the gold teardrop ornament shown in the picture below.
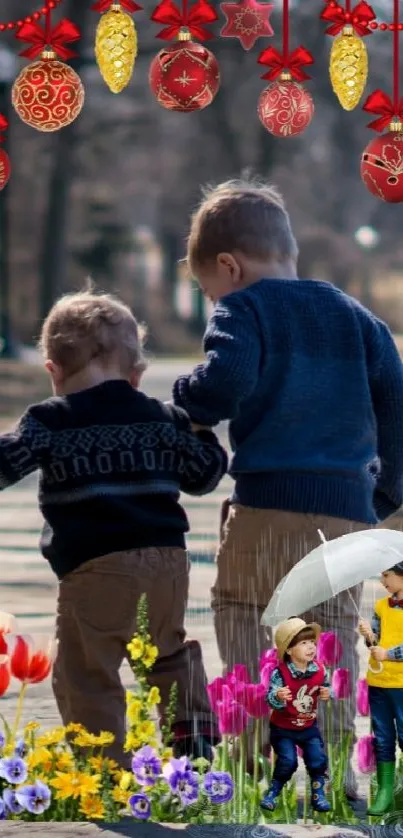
(348, 68)
(116, 48)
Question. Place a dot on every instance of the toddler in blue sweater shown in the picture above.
(312, 384)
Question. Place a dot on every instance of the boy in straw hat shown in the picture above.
(384, 636)
(295, 687)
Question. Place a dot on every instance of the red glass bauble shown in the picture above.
(382, 167)
(5, 168)
(48, 94)
(285, 108)
(184, 77)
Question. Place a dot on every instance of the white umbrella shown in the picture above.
(333, 567)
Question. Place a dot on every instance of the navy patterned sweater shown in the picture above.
(112, 465)
(313, 385)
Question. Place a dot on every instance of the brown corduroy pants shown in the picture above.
(257, 548)
(96, 618)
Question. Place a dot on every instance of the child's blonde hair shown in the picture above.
(86, 326)
(244, 215)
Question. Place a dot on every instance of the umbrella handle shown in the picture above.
(375, 671)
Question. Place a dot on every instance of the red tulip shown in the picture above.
(8, 624)
(232, 717)
(31, 661)
(269, 656)
(366, 755)
(362, 697)
(5, 673)
(329, 649)
(254, 701)
(266, 673)
(341, 683)
(215, 692)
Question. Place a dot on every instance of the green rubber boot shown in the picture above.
(386, 781)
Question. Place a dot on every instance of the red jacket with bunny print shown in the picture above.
(300, 710)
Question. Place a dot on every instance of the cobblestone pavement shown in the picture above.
(28, 587)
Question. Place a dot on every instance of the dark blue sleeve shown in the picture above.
(216, 388)
(386, 381)
(23, 449)
(202, 461)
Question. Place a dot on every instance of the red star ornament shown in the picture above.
(247, 20)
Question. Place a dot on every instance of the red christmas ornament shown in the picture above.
(285, 108)
(382, 167)
(247, 20)
(5, 165)
(48, 94)
(184, 76)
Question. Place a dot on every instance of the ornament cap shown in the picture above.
(348, 29)
(184, 34)
(396, 126)
(115, 7)
(285, 76)
(48, 54)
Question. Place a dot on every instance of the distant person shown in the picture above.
(313, 385)
(112, 464)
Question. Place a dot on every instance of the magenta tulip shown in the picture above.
(362, 697)
(341, 683)
(329, 649)
(238, 673)
(266, 673)
(254, 701)
(269, 656)
(214, 691)
(232, 717)
(366, 755)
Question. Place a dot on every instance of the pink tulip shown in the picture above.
(269, 656)
(341, 683)
(329, 649)
(232, 717)
(238, 673)
(266, 673)
(254, 701)
(215, 692)
(366, 755)
(362, 697)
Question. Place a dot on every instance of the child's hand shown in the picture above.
(364, 627)
(196, 428)
(284, 694)
(378, 653)
(324, 693)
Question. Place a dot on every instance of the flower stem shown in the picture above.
(241, 774)
(330, 749)
(19, 710)
(306, 798)
(256, 752)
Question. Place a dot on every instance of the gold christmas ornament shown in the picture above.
(116, 47)
(348, 68)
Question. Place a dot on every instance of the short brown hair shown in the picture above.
(243, 215)
(307, 633)
(86, 326)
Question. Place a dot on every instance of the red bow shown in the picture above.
(378, 102)
(395, 603)
(62, 33)
(359, 18)
(103, 5)
(168, 12)
(3, 126)
(271, 58)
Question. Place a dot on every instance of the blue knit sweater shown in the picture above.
(313, 385)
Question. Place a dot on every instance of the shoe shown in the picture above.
(385, 772)
(318, 799)
(269, 801)
(194, 747)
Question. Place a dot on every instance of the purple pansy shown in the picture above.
(13, 770)
(182, 780)
(2, 810)
(35, 799)
(11, 802)
(21, 749)
(140, 806)
(219, 786)
(146, 766)
(2, 740)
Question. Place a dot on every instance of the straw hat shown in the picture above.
(288, 630)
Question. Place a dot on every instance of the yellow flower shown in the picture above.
(74, 727)
(31, 727)
(132, 742)
(125, 780)
(145, 731)
(167, 754)
(135, 648)
(133, 711)
(153, 697)
(51, 737)
(42, 757)
(74, 784)
(150, 656)
(101, 763)
(120, 796)
(65, 760)
(90, 740)
(92, 807)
